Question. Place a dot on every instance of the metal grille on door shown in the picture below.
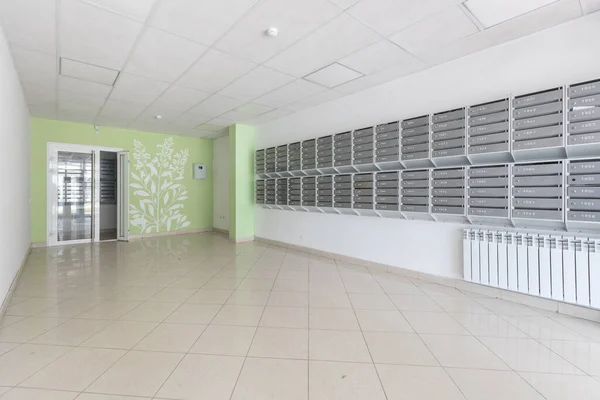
(564, 268)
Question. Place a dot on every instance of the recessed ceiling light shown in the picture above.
(494, 12)
(272, 32)
(158, 117)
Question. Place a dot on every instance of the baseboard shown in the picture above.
(222, 231)
(13, 285)
(572, 310)
(172, 233)
(36, 245)
(243, 240)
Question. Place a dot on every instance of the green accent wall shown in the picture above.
(241, 182)
(187, 204)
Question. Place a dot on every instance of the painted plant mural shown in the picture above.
(158, 193)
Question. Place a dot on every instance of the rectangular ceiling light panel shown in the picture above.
(87, 72)
(494, 12)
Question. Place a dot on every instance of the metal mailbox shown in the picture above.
(488, 138)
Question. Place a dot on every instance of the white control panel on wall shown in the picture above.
(199, 171)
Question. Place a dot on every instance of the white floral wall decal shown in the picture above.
(157, 188)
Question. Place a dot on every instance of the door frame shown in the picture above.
(53, 148)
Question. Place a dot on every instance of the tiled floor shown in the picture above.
(196, 317)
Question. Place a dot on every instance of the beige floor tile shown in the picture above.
(262, 274)
(27, 329)
(343, 381)
(10, 319)
(256, 284)
(72, 333)
(293, 285)
(399, 287)
(402, 382)
(203, 376)
(263, 378)
(584, 355)
(363, 287)
(288, 299)
(188, 282)
(280, 343)
(361, 301)
(94, 396)
(136, 293)
(492, 385)
(328, 300)
(225, 340)
(157, 281)
(25, 360)
(31, 306)
(589, 329)
(68, 308)
(462, 352)
(488, 325)
(544, 328)
(338, 346)
(120, 335)
(109, 310)
(414, 302)
(194, 314)
(431, 322)
(222, 283)
(462, 304)
(137, 374)
(150, 312)
(564, 387)
(210, 296)
(434, 289)
(239, 315)
(528, 355)
(285, 317)
(249, 297)
(333, 318)
(173, 295)
(382, 321)
(399, 348)
(176, 338)
(503, 307)
(76, 370)
(328, 286)
(4, 389)
(6, 347)
(37, 394)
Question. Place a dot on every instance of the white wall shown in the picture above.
(221, 183)
(565, 54)
(14, 172)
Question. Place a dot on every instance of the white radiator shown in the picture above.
(564, 268)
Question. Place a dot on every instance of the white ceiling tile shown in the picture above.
(333, 75)
(88, 72)
(37, 95)
(77, 114)
(251, 109)
(315, 100)
(35, 67)
(145, 125)
(30, 23)
(295, 19)
(543, 18)
(377, 57)
(121, 109)
(209, 128)
(494, 12)
(270, 116)
(344, 4)
(216, 105)
(257, 82)
(74, 100)
(200, 20)
(163, 56)
(221, 121)
(590, 6)
(442, 28)
(137, 89)
(138, 9)
(95, 36)
(381, 77)
(389, 16)
(166, 114)
(290, 93)
(232, 116)
(337, 39)
(214, 71)
(180, 98)
(107, 120)
(190, 120)
(88, 88)
(47, 111)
